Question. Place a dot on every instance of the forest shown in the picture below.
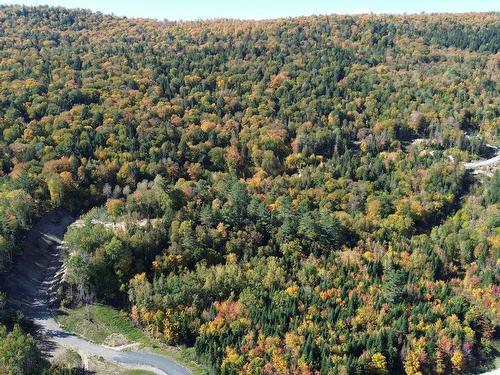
(285, 196)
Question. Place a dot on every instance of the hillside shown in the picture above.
(293, 196)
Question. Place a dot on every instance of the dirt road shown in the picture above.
(32, 285)
(483, 163)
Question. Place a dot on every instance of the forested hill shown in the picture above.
(299, 183)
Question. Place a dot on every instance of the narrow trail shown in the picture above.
(32, 286)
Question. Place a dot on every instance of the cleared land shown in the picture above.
(32, 285)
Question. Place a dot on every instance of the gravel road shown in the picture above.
(483, 163)
(31, 287)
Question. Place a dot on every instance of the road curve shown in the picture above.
(31, 288)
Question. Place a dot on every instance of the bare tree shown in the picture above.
(86, 296)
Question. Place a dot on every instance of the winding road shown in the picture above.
(32, 285)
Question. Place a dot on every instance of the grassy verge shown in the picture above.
(109, 326)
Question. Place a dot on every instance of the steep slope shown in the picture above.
(32, 288)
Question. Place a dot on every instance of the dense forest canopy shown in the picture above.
(288, 196)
